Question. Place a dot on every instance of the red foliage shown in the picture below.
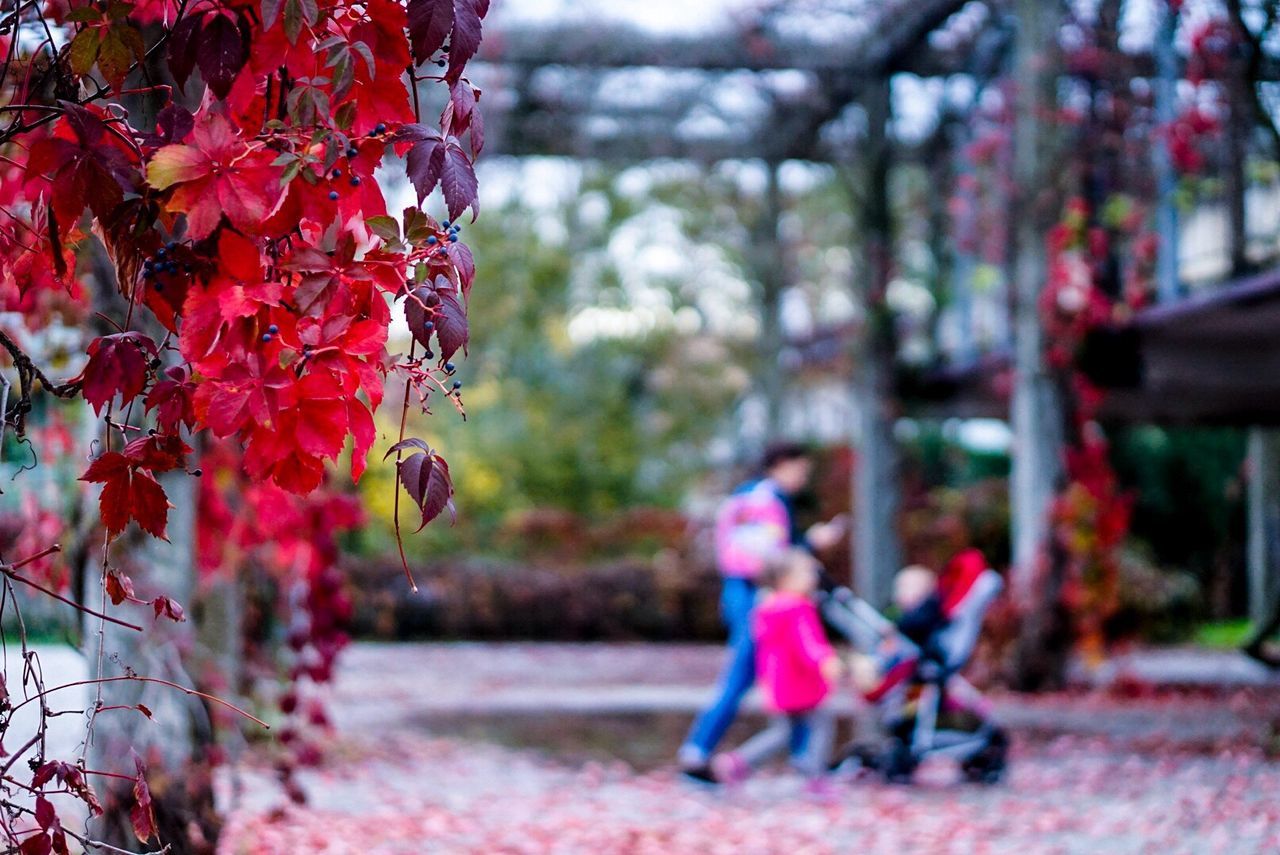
(254, 261)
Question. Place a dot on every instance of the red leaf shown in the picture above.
(430, 22)
(119, 587)
(460, 255)
(169, 608)
(157, 452)
(172, 399)
(419, 307)
(451, 325)
(182, 44)
(222, 51)
(117, 365)
(148, 504)
(424, 165)
(36, 844)
(142, 815)
(46, 816)
(425, 477)
(127, 494)
(200, 188)
(465, 40)
(458, 181)
(363, 432)
(462, 99)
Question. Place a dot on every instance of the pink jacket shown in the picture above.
(751, 526)
(790, 650)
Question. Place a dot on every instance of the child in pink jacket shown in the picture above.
(795, 668)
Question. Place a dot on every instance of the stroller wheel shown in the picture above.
(899, 764)
(988, 765)
(855, 756)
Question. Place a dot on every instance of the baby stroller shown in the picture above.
(921, 684)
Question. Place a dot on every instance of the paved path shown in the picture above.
(394, 784)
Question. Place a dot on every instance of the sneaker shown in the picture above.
(699, 774)
(729, 768)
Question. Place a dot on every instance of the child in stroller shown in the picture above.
(911, 669)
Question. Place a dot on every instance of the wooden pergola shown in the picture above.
(810, 81)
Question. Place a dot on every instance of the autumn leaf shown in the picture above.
(127, 493)
(117, 366)
(119, 587)
(425, 477)
(84, 166)
(169, 608)
(430, 22)
(458, 181)
(452, 330)
(221, 51)
(173, 399)
(218, 174)
(465, 40)
(142, 815)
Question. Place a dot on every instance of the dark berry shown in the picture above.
(171, 245)
(431, 240)
(337, 173)
(161, 252)
(445, 224)
(429, 326)
(148, 264)
(353, 151)
(355, 180)
(333, 195)
(429, 355)
(457, 384)
(448, 366)
(441, 63)
(197, 472)
(154, 364)
(147, 274)
(380, 128)
(266, 336)
(171, 267)
(273, 329)
(453, 238)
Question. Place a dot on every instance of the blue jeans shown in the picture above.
(736, 602)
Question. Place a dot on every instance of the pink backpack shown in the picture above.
(751, 526)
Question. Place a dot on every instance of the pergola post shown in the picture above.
(1166, 177)
(1264, 524)
(765, 258)
(1037, 433)
(876, 549)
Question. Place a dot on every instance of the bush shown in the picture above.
(624, 600)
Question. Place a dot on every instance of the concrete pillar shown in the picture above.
(1264, 523)
(876, 550)
(1037, 426)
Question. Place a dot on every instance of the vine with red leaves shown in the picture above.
(1089, 290)
(196, 179)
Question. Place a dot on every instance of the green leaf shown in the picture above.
(384, 227)
(346, 115)
(84, 51)
(84, 15)
(270, 11)
(291, 172)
